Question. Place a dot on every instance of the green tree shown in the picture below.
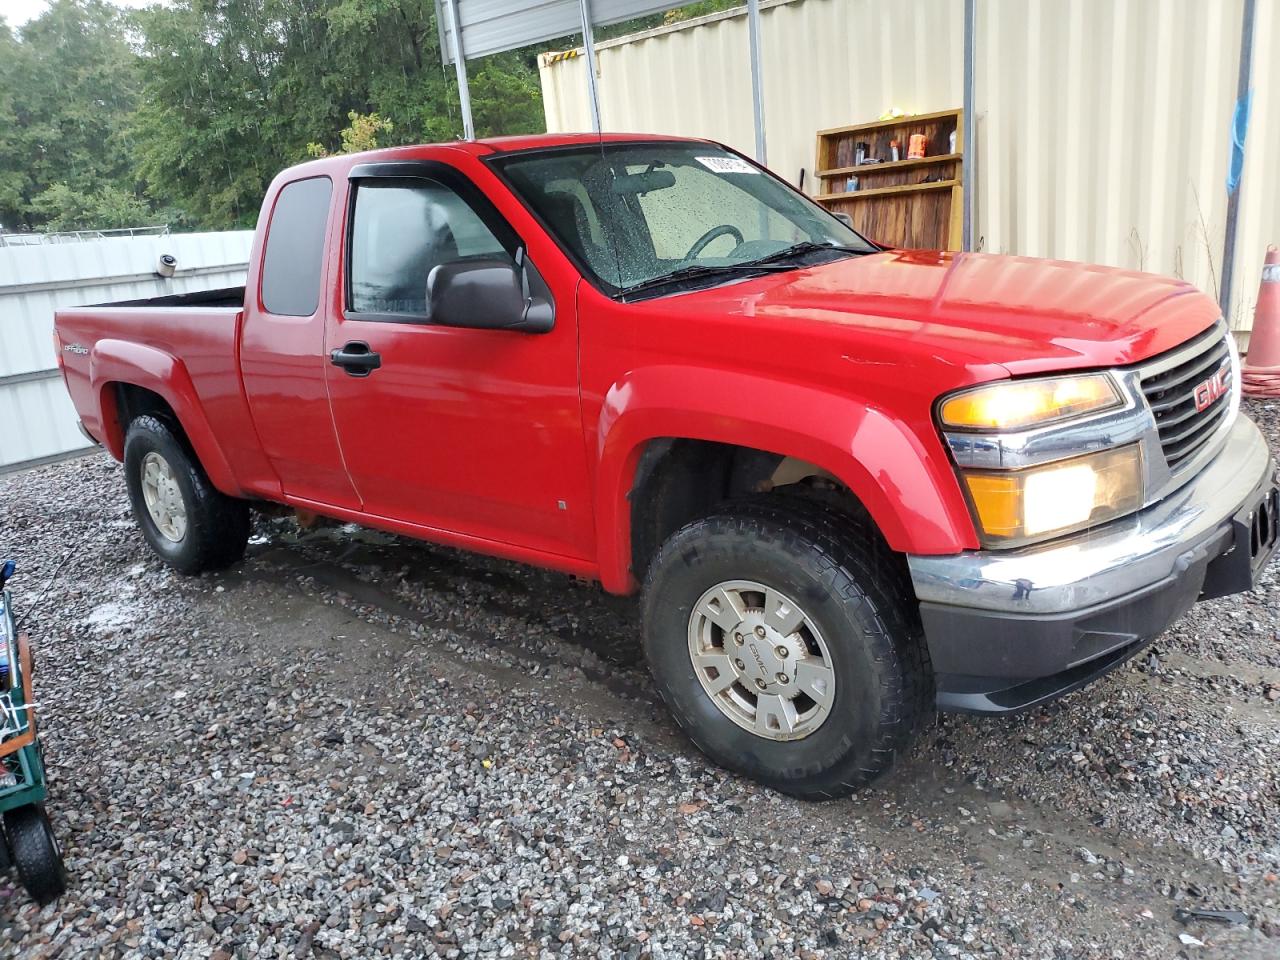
(235, 90)
(12, 178)
(361, 134)
(62, 207)
(219, 115)
(67, 89)
(190, 108)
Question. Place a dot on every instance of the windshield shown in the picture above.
(633, 213)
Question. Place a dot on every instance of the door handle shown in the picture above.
(356, 358)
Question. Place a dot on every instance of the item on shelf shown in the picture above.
(953, 142)
(906, 200)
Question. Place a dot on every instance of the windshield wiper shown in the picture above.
(697, 271)
(800, 249)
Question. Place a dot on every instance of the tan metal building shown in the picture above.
(1102, 126)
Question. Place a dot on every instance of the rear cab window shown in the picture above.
(294, 253)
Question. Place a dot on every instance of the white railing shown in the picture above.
(79, 236)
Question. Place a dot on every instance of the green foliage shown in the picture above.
(62, 207)
(67, 88)
(236, 90)
(191, 107)
(362, 134)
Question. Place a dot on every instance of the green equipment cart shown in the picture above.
(27, 843)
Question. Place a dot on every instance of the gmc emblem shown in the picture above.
(1216, 386)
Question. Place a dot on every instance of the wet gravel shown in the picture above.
(352, 745)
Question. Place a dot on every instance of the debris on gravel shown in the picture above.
(353, 745)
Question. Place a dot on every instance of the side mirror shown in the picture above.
(484, 293)
(845, 219)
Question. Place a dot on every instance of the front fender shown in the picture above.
(123, 362)
(901, 475)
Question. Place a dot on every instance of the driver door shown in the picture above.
(475, 432)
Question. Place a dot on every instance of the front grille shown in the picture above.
(1171, 392)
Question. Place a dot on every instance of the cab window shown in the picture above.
(294, 252)
(400, 230)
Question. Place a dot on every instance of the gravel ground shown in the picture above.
(353, 745)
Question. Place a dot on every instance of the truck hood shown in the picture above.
(1027, 315)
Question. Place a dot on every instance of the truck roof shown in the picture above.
(338, 163)
(544, 140)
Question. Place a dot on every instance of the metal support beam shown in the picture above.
(970, 125)
(589, 47)
(1233, 198)
(757, 77)
(460, 65)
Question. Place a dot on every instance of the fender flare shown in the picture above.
(123, 362)
(908, 488)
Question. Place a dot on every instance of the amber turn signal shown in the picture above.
(1017, 506)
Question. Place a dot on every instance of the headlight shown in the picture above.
(1014, 404)
(1014, 506)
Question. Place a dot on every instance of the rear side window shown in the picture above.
(295, 248)
(400, 231)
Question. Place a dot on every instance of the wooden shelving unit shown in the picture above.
(905, 203)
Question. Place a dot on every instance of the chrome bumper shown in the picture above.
(1121, 558)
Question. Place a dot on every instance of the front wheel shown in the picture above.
(188, 522)
(782, 634)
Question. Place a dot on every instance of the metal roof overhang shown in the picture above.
(477, 28)
(493, 26)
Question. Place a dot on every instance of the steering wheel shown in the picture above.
(705, 240)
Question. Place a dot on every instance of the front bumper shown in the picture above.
(1010, 629)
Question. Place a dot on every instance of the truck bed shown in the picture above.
(225, 297)
(183, 348)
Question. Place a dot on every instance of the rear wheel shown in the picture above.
(36, 852)
(782, 633)
(191, 525)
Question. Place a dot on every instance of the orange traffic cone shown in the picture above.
(1261, 373)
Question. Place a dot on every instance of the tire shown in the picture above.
(36, 853)
(215, 528)
(860, 614)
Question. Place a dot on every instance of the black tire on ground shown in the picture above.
(217, 528)
(35, 852)
(855, 591)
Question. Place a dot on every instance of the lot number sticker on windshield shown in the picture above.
(726, 164)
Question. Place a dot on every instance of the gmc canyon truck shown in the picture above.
(851, 483)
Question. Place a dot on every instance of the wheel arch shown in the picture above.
(130, 379)
(908, 490)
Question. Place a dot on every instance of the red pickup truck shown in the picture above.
(851, 482)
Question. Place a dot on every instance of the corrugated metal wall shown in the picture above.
(1103, 125)
(826, 63)
(1102, 131)
(37, 421)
